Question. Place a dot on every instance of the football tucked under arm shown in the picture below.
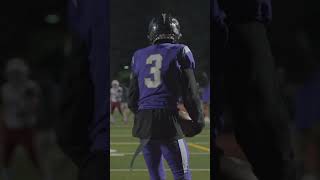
(191, 120)
(188, 126)
(184, 115)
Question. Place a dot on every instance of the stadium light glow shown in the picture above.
(52, 19)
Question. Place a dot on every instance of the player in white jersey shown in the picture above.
(116, 93)
(19, 97)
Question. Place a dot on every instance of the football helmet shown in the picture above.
(16, 70)
(17, 64)
(115, 83)
(164, 27)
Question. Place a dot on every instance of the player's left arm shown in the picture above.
(190, 93)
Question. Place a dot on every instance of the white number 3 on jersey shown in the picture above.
(155, 70)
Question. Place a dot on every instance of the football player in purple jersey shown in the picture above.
(161, 73)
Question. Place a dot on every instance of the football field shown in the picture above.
(123, 145)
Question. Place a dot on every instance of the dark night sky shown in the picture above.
(25, 33)
(19, 18)
(129, 23)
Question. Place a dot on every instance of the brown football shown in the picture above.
(184, 115)
(186, 124)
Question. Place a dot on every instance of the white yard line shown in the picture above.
(146, 170)
(129, 136)
(117, 155)
(130, 154)
(137, 143)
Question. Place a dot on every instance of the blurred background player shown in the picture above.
(19, 107)
(124, 102)
(161, 73)
(116, 95)
(52, 159)
(245, 85)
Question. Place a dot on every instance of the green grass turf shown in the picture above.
(121, 140)
(125, 145)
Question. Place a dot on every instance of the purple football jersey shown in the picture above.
(158, 70)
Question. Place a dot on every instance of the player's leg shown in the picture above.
(9, 146)
(124, 107)
(46, 147)
(176, 153)
(27, 138)
(119, 108)
(153, 158)
(113, 107)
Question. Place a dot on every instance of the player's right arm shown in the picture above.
(133, 92)
(190, 93)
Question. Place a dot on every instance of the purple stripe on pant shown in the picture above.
(175, 152)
